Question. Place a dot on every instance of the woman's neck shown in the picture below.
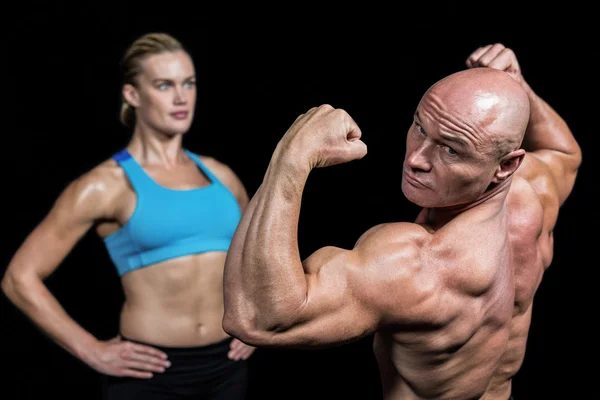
(151, 147)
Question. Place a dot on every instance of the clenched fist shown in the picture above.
(323, 136)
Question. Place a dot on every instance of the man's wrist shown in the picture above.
(291, 159)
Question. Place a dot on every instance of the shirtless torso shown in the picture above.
(448, 296)
(516, 243)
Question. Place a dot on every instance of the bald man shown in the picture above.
(447, 296)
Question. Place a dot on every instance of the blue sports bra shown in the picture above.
(168, 223)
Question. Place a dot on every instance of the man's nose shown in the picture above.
(418, 159)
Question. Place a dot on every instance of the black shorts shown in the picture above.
(195, 373)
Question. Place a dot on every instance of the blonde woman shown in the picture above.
(167, 217)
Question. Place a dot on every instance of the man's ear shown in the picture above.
(509, 163)
(131, 95)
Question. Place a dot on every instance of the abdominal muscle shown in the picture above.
(175, 303)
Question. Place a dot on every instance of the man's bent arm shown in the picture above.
(263, 264)
(549, 138)
(334, 296)
(272, 298)
(553, 153)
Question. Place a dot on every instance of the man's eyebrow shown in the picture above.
(454, 139)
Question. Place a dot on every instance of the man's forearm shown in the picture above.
(546, 129)
(264, 266)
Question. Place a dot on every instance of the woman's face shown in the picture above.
(165, 93)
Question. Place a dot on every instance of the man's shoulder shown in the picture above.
(397, 247)
(395, 233)
(534, 181)
(403, 282)
(522, 189)
(525, 204)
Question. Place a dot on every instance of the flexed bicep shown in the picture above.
(353, 293)
(333, 311)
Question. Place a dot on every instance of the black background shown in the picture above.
(257, 70)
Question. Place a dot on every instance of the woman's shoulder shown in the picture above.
(103, 179)
(221, 170)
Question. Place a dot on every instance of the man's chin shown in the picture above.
(414, 197)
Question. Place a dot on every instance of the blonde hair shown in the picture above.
(131, 64)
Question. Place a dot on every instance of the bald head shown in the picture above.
(490, 101)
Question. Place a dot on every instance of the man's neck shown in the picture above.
(492, 199)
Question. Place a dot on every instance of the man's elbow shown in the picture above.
(231, 325)
(5, 285)
(577, 157)
(572, 166)
(243, 329)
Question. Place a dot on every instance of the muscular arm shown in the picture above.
(272, 298)
(552, 148)
(72, 215)
(553, 156)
